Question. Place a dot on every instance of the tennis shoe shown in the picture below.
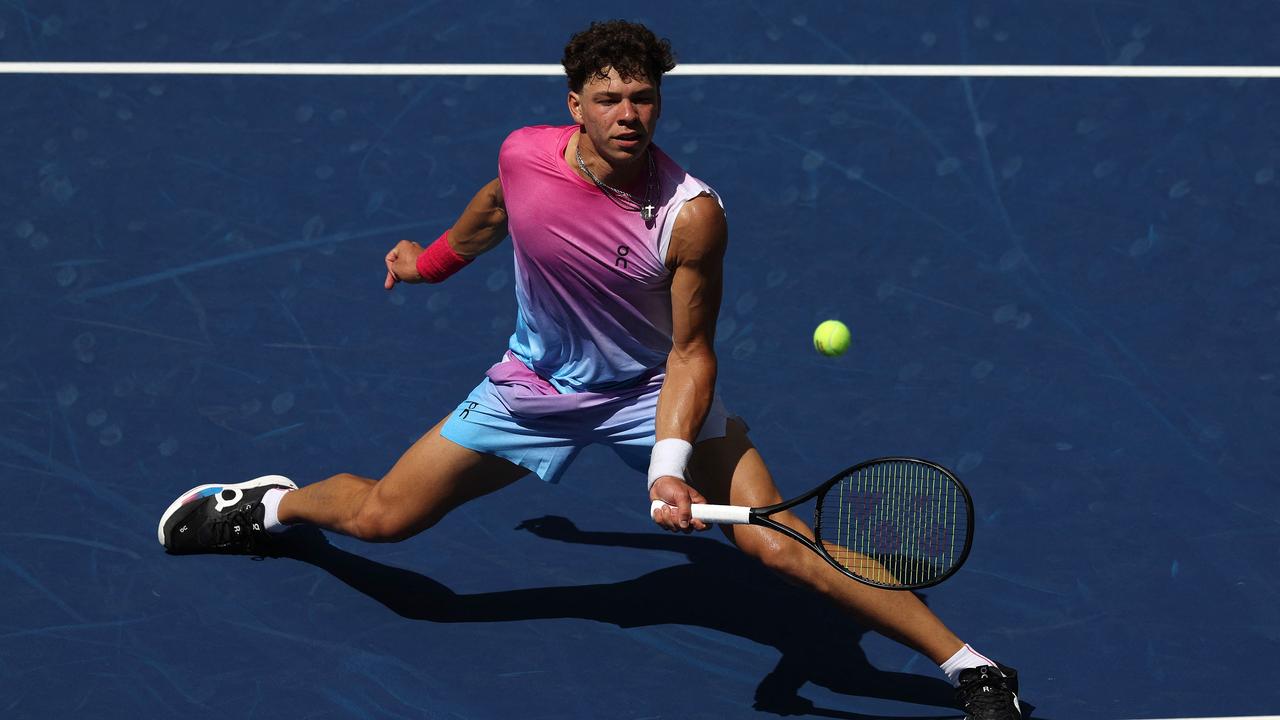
(220, 518)
(989, 693)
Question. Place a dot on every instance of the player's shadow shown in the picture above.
(720, 589)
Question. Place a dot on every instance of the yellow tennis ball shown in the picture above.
(831, 338)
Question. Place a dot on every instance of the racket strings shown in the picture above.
(894, 523)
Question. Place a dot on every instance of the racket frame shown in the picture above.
(759, 516)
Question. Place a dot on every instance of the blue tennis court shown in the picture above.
(1065, 289)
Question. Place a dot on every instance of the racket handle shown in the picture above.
(720, 514)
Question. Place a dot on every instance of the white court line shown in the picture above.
(801, 70)
(1240, 717)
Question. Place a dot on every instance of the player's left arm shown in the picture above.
(696, 255)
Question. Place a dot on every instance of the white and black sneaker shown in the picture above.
(220, 518)
(989, 693)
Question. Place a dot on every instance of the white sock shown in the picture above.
(271, 509)
(965, 658)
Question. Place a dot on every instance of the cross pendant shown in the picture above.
(646, 212)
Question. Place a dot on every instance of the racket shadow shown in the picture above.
(722, 590)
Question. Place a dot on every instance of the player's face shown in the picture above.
(619, 116)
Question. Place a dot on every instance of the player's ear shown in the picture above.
(575, 107)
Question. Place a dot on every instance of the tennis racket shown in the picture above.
(898, 523)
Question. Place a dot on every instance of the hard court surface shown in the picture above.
(1067, 290)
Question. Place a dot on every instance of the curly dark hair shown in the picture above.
(630, 48)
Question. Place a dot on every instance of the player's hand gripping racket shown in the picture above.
(898, 523)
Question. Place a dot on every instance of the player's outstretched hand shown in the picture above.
(402, 264)
(678, 496)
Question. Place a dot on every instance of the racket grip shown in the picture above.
(720, 514)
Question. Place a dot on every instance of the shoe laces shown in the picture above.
(987, 695)
(233, 530)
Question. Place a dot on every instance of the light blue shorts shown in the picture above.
(521, 419)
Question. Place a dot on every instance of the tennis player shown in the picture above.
(618, 256)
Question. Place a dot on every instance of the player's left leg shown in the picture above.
(729, 470)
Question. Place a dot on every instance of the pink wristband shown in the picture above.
(439, 260)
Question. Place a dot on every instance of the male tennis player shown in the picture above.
(618, 255)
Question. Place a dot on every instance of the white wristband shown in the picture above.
(670, 457)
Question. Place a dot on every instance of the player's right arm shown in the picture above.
(482, 226)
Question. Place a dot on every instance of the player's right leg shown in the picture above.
(433, 477)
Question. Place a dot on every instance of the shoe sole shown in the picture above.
(196, 492)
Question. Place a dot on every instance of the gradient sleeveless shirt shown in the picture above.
(592, 286)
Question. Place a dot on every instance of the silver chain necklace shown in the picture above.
(622, 197)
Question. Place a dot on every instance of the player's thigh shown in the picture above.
(434, 476)
(730, 471)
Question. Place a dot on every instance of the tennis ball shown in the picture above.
(831, 338)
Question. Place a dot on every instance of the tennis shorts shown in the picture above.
(518, 416)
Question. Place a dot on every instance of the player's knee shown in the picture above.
(375, 522)
(779, 554)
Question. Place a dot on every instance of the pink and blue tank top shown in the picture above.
(592, 286)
